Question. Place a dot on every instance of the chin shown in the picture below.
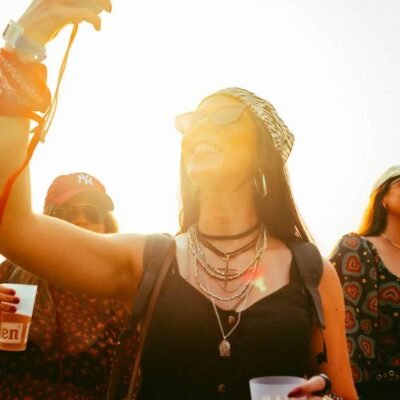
(205, 175)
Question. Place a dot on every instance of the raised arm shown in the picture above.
(102, 265)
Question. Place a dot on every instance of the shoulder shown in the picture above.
(329, 273)
(349, 243)
(130, 247)
(351, 240)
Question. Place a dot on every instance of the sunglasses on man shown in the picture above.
(70, 212)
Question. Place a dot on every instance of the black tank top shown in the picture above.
(181, 359)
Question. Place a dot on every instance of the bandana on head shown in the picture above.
(392, 172)
(281, 136)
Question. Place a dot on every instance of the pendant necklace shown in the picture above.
(210, 272)
(226, 256)
(199, 260)
(224, 346)
(397, 246)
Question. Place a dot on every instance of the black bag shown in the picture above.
(160, 252)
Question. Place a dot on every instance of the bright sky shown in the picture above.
(331, 68)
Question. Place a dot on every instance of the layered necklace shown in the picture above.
(397, 246)
(205, 271)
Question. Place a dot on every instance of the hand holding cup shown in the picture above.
(15, 320)
(8, 299)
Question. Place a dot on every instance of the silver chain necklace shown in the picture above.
(224, 346)
(251, 268)
(215, 272)
(397, 246)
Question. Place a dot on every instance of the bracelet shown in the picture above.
(332, 396)
(327, 387)
(26, 49)
(23, 93)
(23, 89)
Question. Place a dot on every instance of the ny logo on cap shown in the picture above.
(85, 179)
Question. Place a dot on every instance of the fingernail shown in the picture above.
(11, 292)
(13, 308)
(296, 393)
(16, 300)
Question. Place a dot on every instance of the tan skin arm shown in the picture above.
(338, 366)
(74, 258)
(59, 252)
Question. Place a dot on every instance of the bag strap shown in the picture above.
(310, 267)
(162, 254)
(159, 252)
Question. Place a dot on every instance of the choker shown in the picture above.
(227, 237)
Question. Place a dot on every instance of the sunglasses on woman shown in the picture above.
(73, 211)
(223, 116)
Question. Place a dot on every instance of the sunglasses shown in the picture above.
(223, 116)
(71, 212)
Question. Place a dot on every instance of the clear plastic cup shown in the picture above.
(274, 387)
(14, 327)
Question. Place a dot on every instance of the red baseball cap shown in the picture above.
(65, 187)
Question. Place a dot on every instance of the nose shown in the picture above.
(79, 218)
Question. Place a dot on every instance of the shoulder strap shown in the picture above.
(159, 253)
(162, 255)
(310, 267)
(155, 253)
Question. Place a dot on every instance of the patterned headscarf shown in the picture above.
(281, 136)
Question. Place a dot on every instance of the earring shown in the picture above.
(260, 183)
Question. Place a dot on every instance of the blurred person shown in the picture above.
(73, 336)
(233, 306)
(368, 264)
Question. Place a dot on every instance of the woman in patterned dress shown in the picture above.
(368, 264)
(73, 336)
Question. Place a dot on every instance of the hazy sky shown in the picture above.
(330, 67)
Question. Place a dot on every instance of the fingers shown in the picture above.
(314, 384)
(7, 299)
(96, 6)
(77, 15)
(45, 18)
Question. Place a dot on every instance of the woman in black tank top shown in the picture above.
(273, 338)
(233, 306)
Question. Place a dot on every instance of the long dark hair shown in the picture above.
(374, 220)
(277, 210)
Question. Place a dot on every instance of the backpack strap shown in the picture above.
(159, 252)
(156, 248)
(310, 267)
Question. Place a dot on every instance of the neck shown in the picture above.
(224, 212)
(392, 230)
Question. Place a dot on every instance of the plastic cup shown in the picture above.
(274, 387)
(14, 327)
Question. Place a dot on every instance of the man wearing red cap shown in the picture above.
(81, 199)
(73, 336)
(64, 187)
